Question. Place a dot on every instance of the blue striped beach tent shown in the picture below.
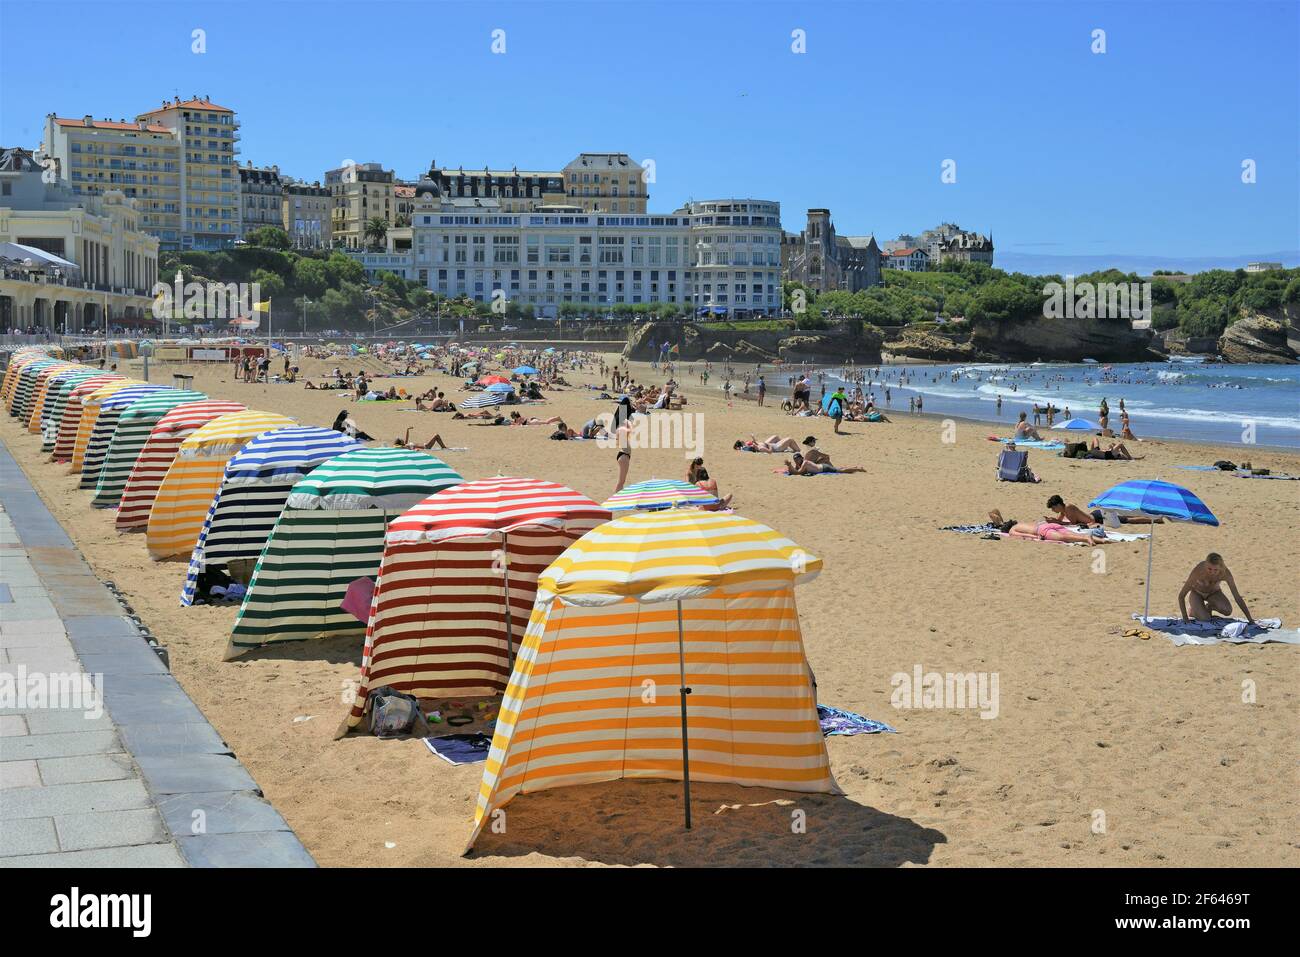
(56, 400)
(331, 533)
(134, 425)
(253, 489)
(1154, 499)
(101, 433)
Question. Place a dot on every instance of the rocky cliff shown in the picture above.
(1064, 340)
(765, 345)
(1258, 338)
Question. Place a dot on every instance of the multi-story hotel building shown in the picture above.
(305, 212)
(595, 182)
(720, 256)
(261, 193)
(359, 192)
(142, 160)
(81, 256)
(210, 197)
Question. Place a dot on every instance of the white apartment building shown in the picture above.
(720, 256)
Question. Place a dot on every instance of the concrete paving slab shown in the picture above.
(82, 832)
(145, 855)
(32, 836)
(19, 774)
(86, 767)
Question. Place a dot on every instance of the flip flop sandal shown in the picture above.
(459, 720)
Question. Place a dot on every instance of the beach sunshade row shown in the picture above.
(253, 489)
(135, 424)
(330, 533)
(65, 428)
(101, 433)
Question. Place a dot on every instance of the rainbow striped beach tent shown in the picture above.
(70, 393)
(17, 362)
(186, 492)
(459, 573)
(330, 533)
(159, 452)
(20, 403)
(56, 400)
(65, 433)
(40, 385)
(101, 433)
(48, 397)
(696, 604)
(253, 488)
(135, 423)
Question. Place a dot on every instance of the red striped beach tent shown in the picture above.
(40, 386)
(134, 426)
(48, 397)
(61, 431)
(698, 606)
(187, 489)
(458, 576)
(101, 433)
(253, 489)
(91, 406)
(330, 533)
(159, 452)
(56, 400)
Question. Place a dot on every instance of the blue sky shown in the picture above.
(1059, 151)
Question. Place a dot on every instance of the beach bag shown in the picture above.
(1075, 450)
(393, 713)
(1225, 466)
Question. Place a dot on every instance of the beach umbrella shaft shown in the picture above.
(686, 747)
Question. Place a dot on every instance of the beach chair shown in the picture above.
(1013, 466)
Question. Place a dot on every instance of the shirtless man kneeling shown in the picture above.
(1204, 592)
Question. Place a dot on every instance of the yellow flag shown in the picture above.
(264, 306)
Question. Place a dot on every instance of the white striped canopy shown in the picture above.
(252, 492)
(50, 374)
(596, 690)
(101, 433)
(159, 452)
(54, 388)
(330, 533)
(90, 408)
(186, 492)
(134, 425)
(17, 361)
(20, 405)
(52, 414)
(440, 620)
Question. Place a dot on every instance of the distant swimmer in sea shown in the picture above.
(1203, 591)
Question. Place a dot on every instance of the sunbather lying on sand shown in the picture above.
(405, 442)
(1045, 531)
(802, 466)
(1115, 450)
(774, 443)
(1068, 514)
(517, 419)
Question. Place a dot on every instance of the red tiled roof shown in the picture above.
(904, 252)
(110, 125)
(190, 105)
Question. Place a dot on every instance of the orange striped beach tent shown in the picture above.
(662, 645)
(65, 429)
(194, 477)
(91, 406)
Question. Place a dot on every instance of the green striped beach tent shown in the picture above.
(330, 533)
(101, 433)
(134, 424)
(56, 400)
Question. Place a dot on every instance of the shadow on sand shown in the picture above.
(640, 822)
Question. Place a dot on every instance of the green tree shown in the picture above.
(376, 231)
(270, 237)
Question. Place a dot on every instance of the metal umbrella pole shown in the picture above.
(1151, 544)
(686, 747)
(510, 618)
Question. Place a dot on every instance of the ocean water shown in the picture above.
(1180, 399)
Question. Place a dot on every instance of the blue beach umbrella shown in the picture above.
(1158, 500)
(524, 370)
(1079, 425)
(500, 388)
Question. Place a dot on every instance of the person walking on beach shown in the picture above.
(762, 390)
(1203, 591)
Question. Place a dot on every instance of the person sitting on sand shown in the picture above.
(405, 443)
(1068, 514)
(801, 466)
(814, 454)
(1047, 531)
(1116, 450)
(1203, 590)
(563, 432)
(774, 443)
(711, 486)
(1125, 432)
(1026, 431)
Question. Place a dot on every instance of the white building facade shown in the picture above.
(718, 255)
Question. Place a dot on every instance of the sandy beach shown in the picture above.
(1153, 741)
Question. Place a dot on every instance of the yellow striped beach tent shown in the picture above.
(253, 488)
(48, 393)
(65, 429)
(331, 533)
(159, 453)
(56, 400)
(697, 606)
(458, 576)
(90, 409)
(195, 475)
(101, 433)
(134, 425)
(40, 387)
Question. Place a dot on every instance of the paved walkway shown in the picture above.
(135, 777)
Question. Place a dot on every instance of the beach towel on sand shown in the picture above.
(460, 748)
(990, 529)
(837, 721)
(1030, 443)
(1222, 631)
